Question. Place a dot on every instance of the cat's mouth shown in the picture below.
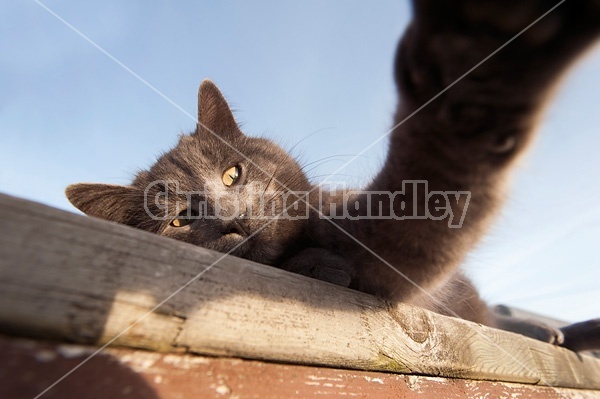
(234, 228)
(236, 243)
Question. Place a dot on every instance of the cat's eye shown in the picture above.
(184, 218)
(231, 176)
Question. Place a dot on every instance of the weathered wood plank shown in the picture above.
(75, 278)
(136, 374)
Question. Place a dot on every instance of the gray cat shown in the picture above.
(459, 130)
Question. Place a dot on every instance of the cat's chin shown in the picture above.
(236, 244)
(248, 248)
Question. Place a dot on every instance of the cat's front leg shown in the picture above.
(530, 328)
(321, 264)
(473, 77)
(582, 336)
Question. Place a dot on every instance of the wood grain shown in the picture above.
(78, 279)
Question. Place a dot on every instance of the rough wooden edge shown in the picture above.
(137, 374)
(79, 279)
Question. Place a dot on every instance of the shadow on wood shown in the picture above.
(78, 279)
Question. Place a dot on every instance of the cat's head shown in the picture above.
(218, 189)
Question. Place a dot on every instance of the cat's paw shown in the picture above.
(508, 17)
(446, 39)
(544, 332)
(582, 336)
(528, 327)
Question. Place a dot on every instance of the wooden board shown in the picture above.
(83, 280)
(35, 367)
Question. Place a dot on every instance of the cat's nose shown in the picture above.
(234, 226)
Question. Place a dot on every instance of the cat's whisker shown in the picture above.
(304, 165)
(279, 194)
(414, 260)
(291, 180)
(337, 174)
(270, 181)
(323, 161)
(308, 136)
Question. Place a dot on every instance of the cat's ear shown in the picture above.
(214, 114)
(106, 201)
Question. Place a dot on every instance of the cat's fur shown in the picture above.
(467, 139)
(196, 164)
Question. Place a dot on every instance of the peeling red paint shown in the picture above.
(28, 367)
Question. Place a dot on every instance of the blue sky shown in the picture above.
(69, 113)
